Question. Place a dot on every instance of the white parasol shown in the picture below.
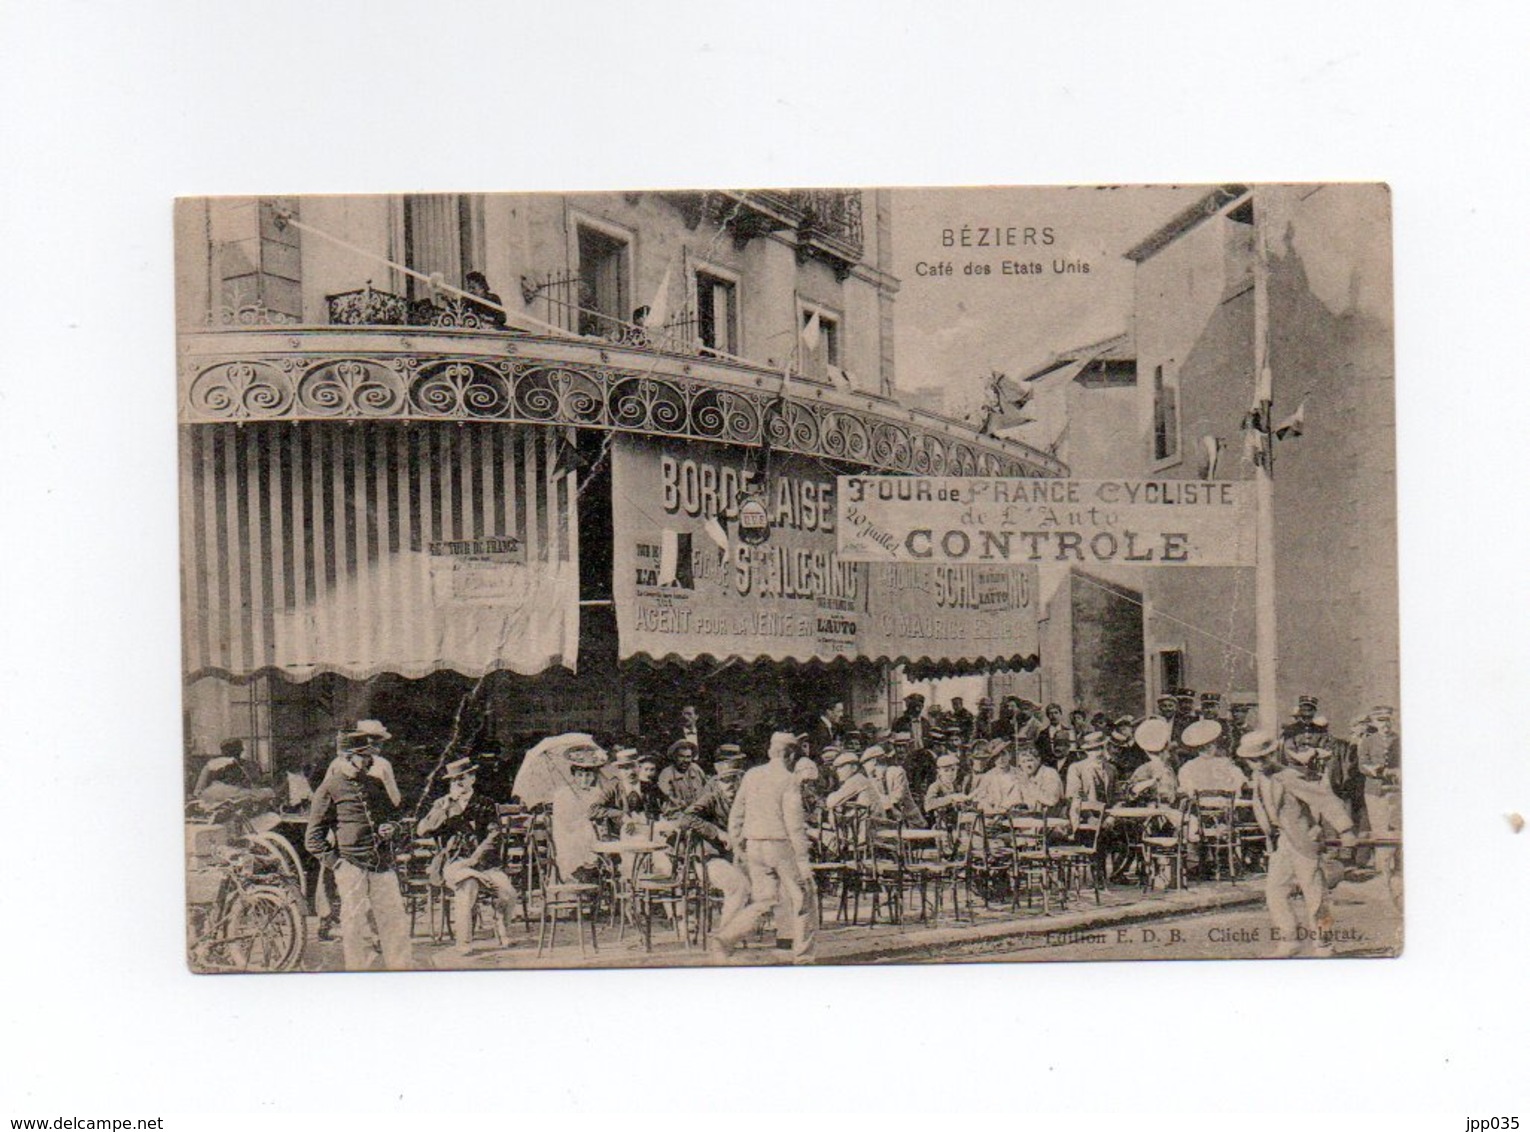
(546, 766)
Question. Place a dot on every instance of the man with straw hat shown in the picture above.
(467, 825)
(1292, 805)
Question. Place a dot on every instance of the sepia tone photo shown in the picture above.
(792, 576)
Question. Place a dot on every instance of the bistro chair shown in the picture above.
(1078, 860)
(559, 894)
(1163, 847)
(671, 893)
(1216, 824)
(1252, 844)
(983, 860)
(1030, 860)
(835, 839)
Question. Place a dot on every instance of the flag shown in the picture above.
(811, 332)
(1211, 456)
(658, 309)
(716, 529)
(1292, 425)
(1005, 407)
(675, 560)
(566, 455)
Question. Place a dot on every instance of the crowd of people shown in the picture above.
(753, 823)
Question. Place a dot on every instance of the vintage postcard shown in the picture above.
(789, 576)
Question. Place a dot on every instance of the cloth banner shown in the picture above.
(994, 521)
(681, 593)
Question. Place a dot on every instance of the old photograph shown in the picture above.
(788, 576)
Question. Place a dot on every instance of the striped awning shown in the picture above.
(381, 547)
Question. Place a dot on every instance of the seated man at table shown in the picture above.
(471, 856)
(856, 787)
(619, 801)
(881, 766)
(1041, 787)
(1209, 767)
(945, 794)
(998, 790)
(1154, 781)
(573, 831)
(681, 781)
(1091, 778)
(706, 818)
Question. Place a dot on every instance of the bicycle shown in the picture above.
(236, 920)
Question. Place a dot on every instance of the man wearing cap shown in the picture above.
(1091, 778)
(1121, 748)
(1184, 711)
(1211, 706)
(1041, 787)
(962, 720)
(1303, 730)
(945, 794)
(856, 787)
(1292, 805)
(881, 767)
(706, 818)
(913, 720)
(1154, 780)
(1378, 753)
(997, 790)
(983, 721)
(467, 825)
(1168, 711)
(351, 824)
(691, 731)
(381, 769)
(620, 797)
(681, 781)
(767, 830)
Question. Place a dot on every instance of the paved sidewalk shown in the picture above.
(990, 931)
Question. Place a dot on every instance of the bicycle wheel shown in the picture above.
(266, 930)
(278, 853)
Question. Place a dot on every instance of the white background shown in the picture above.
(110, 109)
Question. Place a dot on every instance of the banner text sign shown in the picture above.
(1019, 521)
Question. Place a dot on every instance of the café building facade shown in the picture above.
(604, 492)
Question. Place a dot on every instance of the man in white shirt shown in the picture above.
(767, 830)
(1209, 767)
(998, 791)
(1041, 787)
(1292, 805)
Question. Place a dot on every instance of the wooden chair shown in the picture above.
(1163, 848)
(1214, 812)
(835, 837)
(1078, 859)
(671, 893)
(1252, 844)
(1030, 860)
(560, 894)
(983, 860)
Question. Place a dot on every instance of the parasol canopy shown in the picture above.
(546, 766)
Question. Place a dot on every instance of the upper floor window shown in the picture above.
(1165, 417)
(604, 300)
(716, 312)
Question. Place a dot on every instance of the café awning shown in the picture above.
(403, 548)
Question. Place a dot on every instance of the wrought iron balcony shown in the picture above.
(831, 225)
(437, 372)
(368, 306)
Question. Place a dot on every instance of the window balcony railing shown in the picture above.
(368, 306)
